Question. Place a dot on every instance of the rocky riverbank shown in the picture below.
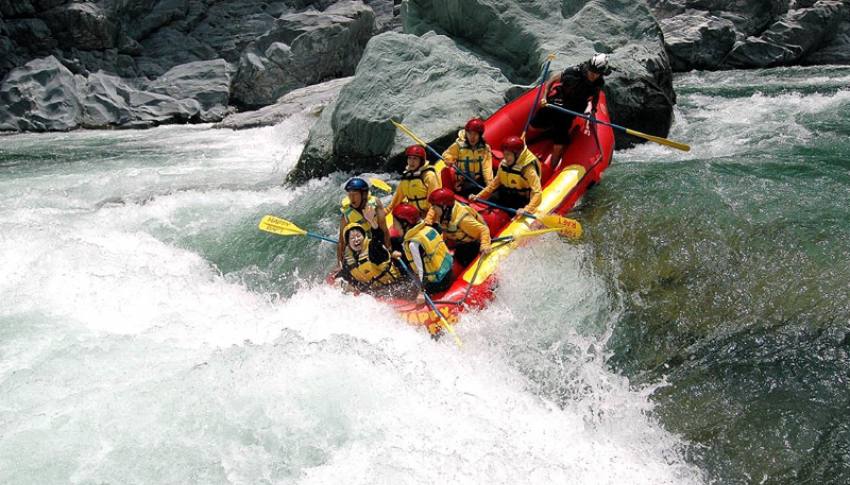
(431, 63)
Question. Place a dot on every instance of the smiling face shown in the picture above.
(355, 239)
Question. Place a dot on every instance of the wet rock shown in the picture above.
(428, 82)
(836, 51)
(43, 95)
(303, 49)
(311, 99)
(207, 82)
(792, 37)
(697, 41)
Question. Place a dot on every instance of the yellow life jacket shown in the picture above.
(436, 259)
(365, 271)
(413, 187)
(355, 216)
(452, 229)
(470, 158)
(511, 178)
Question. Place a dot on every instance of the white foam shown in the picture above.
(144, 365)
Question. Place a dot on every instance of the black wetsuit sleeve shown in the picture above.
(377, 253)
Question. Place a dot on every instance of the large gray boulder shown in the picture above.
(311, 99)
(428, 82)
(792, 37)
(303, 49)
(43, 95)
(697, 41)
(207, 82)
(836, 51)
(748, 16)
(766, 32)
(110, 101)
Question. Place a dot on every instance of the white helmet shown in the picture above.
(599, 64)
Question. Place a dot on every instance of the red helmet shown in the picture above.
(476, 125)
(442, 197)
(406, 213)
(513, 144)
(415, 151)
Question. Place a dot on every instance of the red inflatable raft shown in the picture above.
(584, 160)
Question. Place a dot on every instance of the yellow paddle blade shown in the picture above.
(449, 328)
(380, 185)
(281, 227)
(659, 140)
(407, 132)
(567, 227)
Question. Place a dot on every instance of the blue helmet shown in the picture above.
(356, 184)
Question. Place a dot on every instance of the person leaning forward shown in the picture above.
(517, 183)
(577, 88)
(424, 249)
(459, 223)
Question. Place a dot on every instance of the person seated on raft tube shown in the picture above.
(471, 155)
(459, 223)
(577, 88)
(424, 250)
(367, 267)
(517, 183)
(360, 207)
(418, 180)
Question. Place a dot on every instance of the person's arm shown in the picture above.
(487, 166)
(451, 154)
(398, 198)
(382, 222)
(536, 193)
(417, 264)
(431, 182)
(488, 190)
(473, 227)
(548, 86)
(430, 217)
(377, 252)
(594, 100)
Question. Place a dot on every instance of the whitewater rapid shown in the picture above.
(150, 334)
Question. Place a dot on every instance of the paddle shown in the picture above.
(568, 227)
(282, 227)
(537, 96)
(656, 139)
(380, 185)
(445, 323)
(420, 141)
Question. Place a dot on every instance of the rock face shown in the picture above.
(697, 41)
(764, 33)
(428, 82)
(312, 99)
(435, 84)
(303, 49)
(169, 52)
(46, 91)
(45, 96)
